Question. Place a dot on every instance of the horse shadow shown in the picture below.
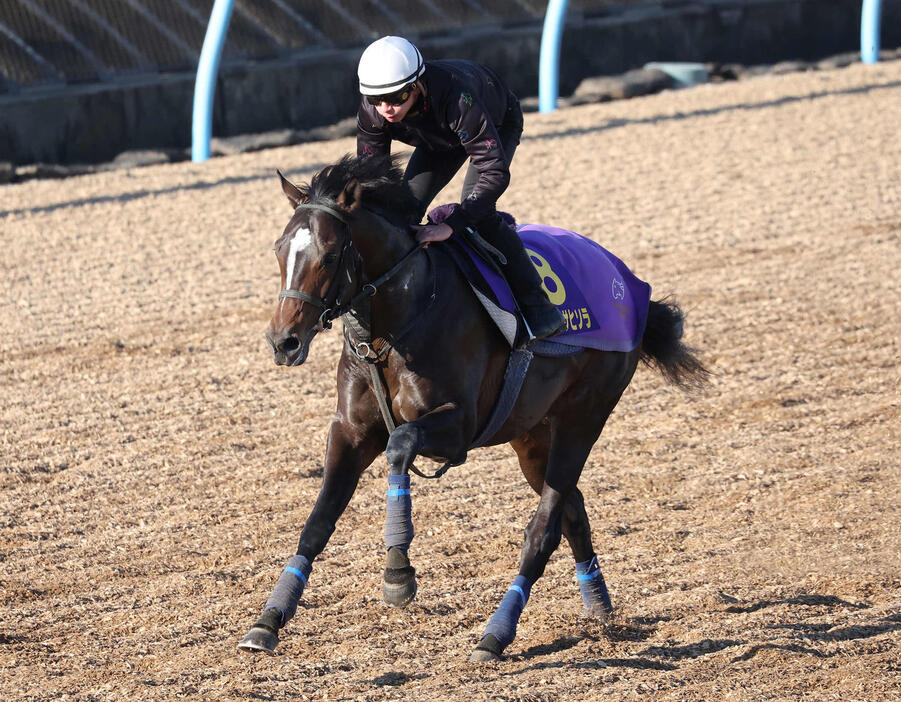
(808, 600)
(394, 679)
(825, 632)
(814, 633)
(667, 657)
(634, 629)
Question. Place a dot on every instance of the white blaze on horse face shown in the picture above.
(299, 242)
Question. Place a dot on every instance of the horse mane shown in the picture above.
(380, 177)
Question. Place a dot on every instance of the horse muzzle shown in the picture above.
(289, 348)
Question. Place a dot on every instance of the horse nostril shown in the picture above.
(289, 345)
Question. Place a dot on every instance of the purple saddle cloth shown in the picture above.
(604, 304)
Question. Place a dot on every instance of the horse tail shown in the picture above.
(662, 346)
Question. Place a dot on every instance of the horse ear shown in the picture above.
(349, 199)
(293, 194)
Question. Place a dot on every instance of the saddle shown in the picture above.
(605, 305)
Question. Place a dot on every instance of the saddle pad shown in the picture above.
(604, 304)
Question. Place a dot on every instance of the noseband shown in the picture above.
(332, 310)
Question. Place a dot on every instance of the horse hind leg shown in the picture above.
(532, 450)
(543, 535)
(577, 531)
(566, 454)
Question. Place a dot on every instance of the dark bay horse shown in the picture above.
(435, 363)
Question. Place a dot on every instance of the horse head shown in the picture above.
(337, 249)
(320, 269)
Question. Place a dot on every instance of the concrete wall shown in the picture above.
(91, 124)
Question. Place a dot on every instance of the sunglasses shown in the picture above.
(396, 98)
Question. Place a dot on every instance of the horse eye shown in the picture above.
(329, 260)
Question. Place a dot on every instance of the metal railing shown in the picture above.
(870, 22)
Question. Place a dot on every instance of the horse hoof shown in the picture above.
(399, 581)
(259, 639)
(480, 655)
(489, 649)
(399, 594)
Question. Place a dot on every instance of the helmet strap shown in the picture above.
(419, 104)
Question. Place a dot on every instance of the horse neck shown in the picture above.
(381, 245)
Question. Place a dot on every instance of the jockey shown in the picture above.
(451, 111)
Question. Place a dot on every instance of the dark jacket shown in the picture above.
(464, 105)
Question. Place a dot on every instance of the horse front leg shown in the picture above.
(438, 433)
(347, 456)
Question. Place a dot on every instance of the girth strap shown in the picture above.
(517, 368)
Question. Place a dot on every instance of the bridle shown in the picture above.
(333, 309)
(330, 309)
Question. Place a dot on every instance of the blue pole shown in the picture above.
(205, 85)
(869, 30)
(549, 58)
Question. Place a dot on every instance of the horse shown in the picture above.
(421, 386)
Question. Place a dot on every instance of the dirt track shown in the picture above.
(157, 466)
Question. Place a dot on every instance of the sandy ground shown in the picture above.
(157, 466)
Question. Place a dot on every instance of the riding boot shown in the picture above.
(543, 316)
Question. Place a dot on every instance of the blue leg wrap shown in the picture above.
(593, 587)
(289, 587)
(399, 513)
(502, 624)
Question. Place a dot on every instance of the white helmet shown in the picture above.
(389, 64)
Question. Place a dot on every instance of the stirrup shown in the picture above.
(552, 322)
